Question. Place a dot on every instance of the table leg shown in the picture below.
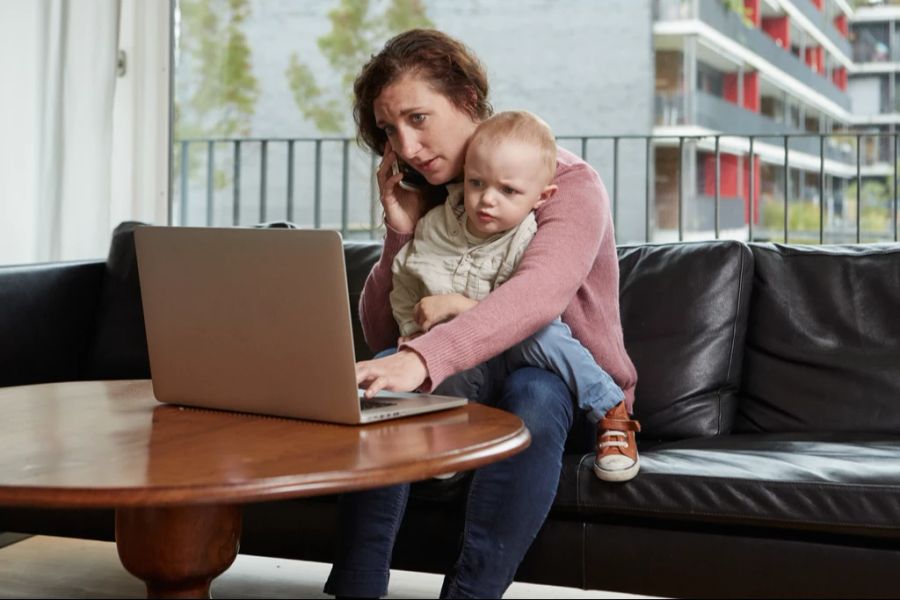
(178, 551)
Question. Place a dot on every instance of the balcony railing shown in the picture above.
(329, 183)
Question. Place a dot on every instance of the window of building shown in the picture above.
(871, 42)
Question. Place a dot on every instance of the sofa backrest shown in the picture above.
(46, 318)
(118, 347)
(684, 314)
(823, 347)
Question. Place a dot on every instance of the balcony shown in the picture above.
(823, 24)
(718, 114)
(720, 18)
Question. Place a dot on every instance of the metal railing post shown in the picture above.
(821, 188)
(647, 165)
(210, 180)
(787, 180)
(317, 196)
(345, 185)
(263, 168)
(752, 187)
(236, 192)
(894, 214)
(615, 204)
(185, 174)
(718, 186)
(858, 184)
(290, 181)
(681, 188)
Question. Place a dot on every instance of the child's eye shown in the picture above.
(475, 183)
(508, 190)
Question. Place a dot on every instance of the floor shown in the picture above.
(51, 567)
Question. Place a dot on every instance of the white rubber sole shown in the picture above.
(617, 475)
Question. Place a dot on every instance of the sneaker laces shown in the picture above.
(613, 443)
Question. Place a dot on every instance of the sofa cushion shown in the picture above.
(838, 483)
(119, 346)
(823, 345)
(684, 311)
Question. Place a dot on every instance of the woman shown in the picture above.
(418, 101)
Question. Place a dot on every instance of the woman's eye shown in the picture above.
(389, 131)
(475, 183)
(417, 118)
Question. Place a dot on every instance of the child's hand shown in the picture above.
(408, 338)
(432, 310)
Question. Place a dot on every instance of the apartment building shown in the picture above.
(875, 86)
(763, 68)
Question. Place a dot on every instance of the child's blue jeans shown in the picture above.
(555, 349)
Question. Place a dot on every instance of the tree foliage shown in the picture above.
(223, 99)
(357, 30)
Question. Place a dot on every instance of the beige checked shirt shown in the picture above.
(444, 258)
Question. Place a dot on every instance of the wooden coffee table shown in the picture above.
(177, 476)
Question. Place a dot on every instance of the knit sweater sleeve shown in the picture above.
(379, 327)
(557, 261)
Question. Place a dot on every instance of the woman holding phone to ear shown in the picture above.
(418, 101)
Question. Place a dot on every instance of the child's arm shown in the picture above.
(432, 310)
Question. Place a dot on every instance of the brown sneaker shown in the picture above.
(617, 456)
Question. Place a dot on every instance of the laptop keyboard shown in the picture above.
(373, 404)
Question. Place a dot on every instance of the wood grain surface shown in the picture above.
(110, 444)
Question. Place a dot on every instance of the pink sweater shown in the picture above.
(569, 269)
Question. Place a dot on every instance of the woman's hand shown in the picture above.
(404, 371)
(408, 338)
(402, 208)
(431, 310)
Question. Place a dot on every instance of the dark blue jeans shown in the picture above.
(507, 503)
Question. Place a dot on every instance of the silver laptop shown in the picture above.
(257, 320)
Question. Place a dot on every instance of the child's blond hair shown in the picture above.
(521, 126)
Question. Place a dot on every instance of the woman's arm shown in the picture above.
(570, 229)
(375, 315)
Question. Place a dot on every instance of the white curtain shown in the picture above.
(86, 148)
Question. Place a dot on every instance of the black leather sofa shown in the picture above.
(769, 393)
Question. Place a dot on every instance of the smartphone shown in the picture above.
(412, 181)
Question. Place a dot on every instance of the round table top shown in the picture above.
(111, 444)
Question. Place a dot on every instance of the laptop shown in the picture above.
(257, 321)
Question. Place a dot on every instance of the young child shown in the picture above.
(465, 248)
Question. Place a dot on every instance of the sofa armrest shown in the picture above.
(47, 314)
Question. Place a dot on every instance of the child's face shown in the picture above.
(504, 181)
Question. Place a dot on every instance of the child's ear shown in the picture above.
(546, 195)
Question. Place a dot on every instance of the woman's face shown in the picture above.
(424, 128)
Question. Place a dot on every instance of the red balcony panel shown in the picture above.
(745, 192)
(778, 28)
(728, 173)
(730, 87)
(840, 23)
(751, 91)
(815, 59)
(751, 8)
(818, 4)
(839, 77)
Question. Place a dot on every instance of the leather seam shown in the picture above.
(734, 325)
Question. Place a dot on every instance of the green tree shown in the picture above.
(223, 97)
(356, 32)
